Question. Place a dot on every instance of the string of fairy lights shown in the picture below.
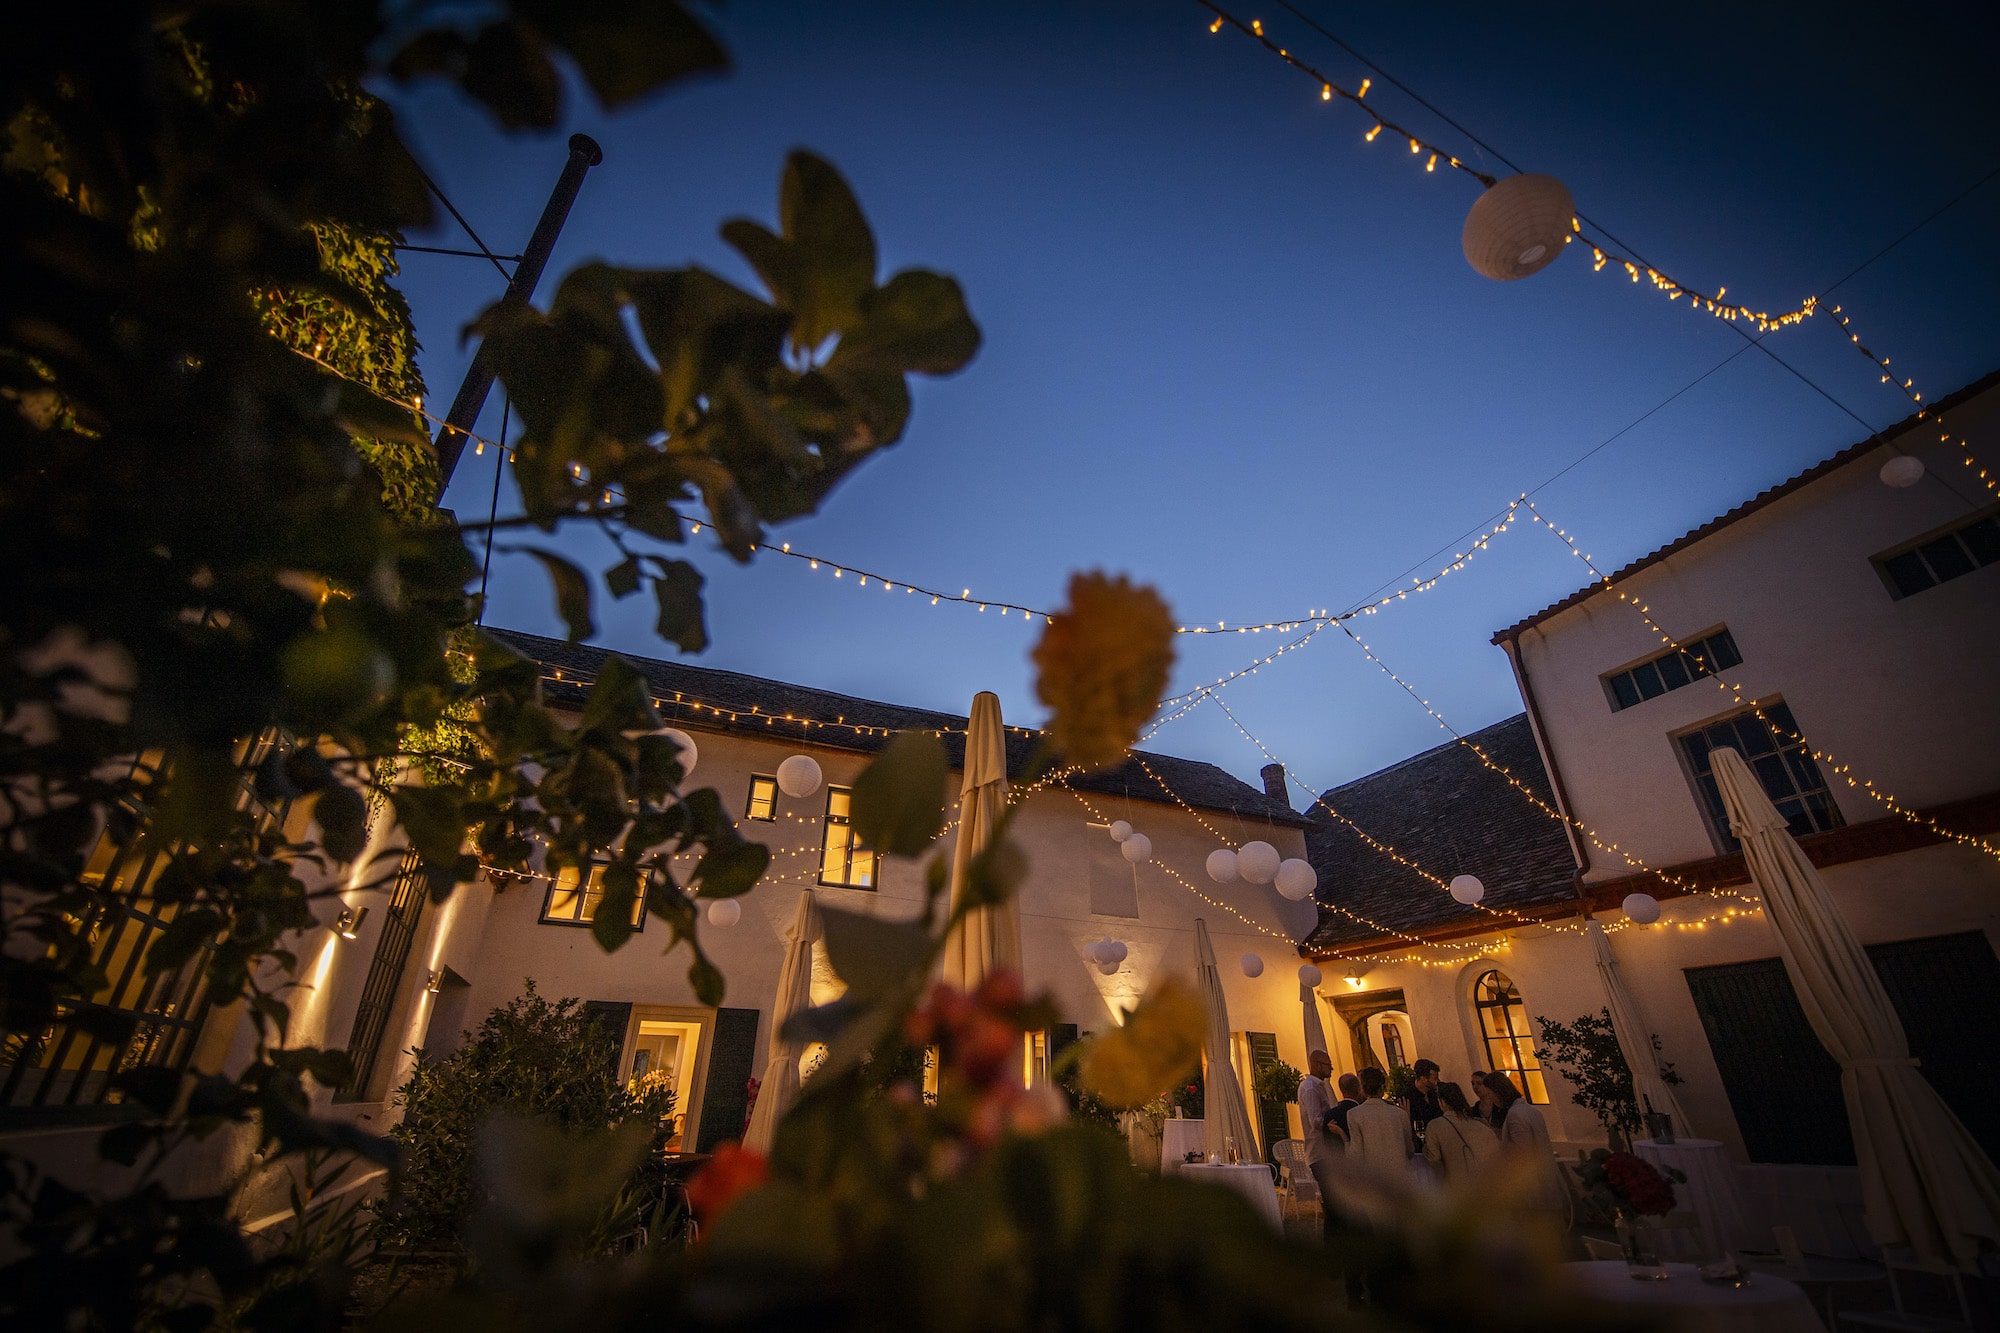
(1909, 390)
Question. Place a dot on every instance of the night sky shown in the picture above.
(1237, 353)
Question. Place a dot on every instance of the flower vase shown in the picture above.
(1641, 1264)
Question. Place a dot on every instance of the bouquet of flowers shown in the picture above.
(1629, 1184)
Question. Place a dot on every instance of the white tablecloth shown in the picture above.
(1250, 1179)
(1766, 1305)
(1710, 1193)
(1178, 1138)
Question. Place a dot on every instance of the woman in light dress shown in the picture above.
(1523, 1131)
(1456, 1143)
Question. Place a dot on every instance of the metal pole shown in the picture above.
(583, 155)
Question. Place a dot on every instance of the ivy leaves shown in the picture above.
(726, 409)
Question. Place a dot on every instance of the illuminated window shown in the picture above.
(763, 802)
(1510, 1045)
(569, 906)
(843, 860)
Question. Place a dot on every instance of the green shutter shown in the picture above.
(613, 1017)
(732, 1063)
(1272, 1122)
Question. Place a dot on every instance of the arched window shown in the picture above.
(1510, 1043)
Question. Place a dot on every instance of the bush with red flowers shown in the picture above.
(732, 1170)
(1629, 1183)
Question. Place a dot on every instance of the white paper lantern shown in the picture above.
(1253, 966)
(1120, 830)
(1222, 865)
(1093, 953)
(1641, 909)
(689, 753)
(1309, 976)
(799, 775)
(1258, 862)
(1518, 227)
(1137, 848)
(1296, 879)
(725, 912)
(1108, 969)
(1115, 950)
(1467, 889)
(1902, 471)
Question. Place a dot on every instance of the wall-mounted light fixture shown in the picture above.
(434, 982)
(1353, 979)
(348, 924)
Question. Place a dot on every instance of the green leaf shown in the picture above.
(677, 589)
(612, 925)
(621, 699)
(832, 248)
(433, 819)
(572, 590)
(623, 578)
(374, 417)
(626, 49)
(1156, 1047)
(917, 321)
(731, 867)
(899, 798)
(342, 815)
(770, 255)
(873, 956)
(183, 938)
(706, 979)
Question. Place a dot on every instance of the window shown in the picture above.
(1780, 758)
(1669, 671)
(763, 802)
(1510, 1046)
(843, 860)
(569, 906)
(1942, 558)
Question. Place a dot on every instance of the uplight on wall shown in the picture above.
(348, 924)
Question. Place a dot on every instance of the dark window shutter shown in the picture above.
(732, 1062)
(1060, 1038)
(612, 1017)
(1947, 990)
(1272, 1122)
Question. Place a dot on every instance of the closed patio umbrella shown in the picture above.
(780, 1087)
(1224, 1116)
(989, 938)
(1635, 1039)
(1315, 1030)
(1925, 1183)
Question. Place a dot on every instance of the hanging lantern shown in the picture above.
(1467, 889)
(1222, 866)
(685, 743)
(1137, 848)
(1902, 471)
(725, 912)
(1115, 950)
(799, 776)
(1296, 879)
(1120, 830)
(1253, 966)
(1518, 227)
(1108, 969)
(1309, 976)
(1258, 862)
(1641, 909)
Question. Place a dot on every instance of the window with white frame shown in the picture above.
(843, 861)
(1777, 753)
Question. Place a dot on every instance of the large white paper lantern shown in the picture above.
(1108, 969)
(1296, 879)
(1309, 976)
(1253, 966)
(1641, 909)
(724, 912)
(1115, 950)
(1258, 862)
(1137, 848)
(1518, 227)
(1120, 830)
(1902, 471)
(1222, 866)
(799, 776)
(1467, 889)
(689, 753)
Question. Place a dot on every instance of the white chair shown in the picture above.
(1902, 1319)
(1601, 1249)
(1295, 1177)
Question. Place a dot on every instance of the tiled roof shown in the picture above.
(780, 710)
(1449, 813)
(1755, 503)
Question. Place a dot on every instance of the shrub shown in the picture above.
(1278, 1082)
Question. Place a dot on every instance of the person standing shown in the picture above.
(1457, 1143)
(1421, 1101)
(1524, 1133)
(1324, 1137)
(1486, 1106)
(1350, 1097)
(1379, 1140)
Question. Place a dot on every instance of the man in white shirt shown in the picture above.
(1323, 1138)
(1379, 1140)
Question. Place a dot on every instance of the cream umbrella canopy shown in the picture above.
(989, 938)
(1924, 1183)
(1635, 1039)
(780, 1087)
(1315, 1030)
(1223, 1114)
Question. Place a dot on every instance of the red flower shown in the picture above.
(1639, 1184)
(730, 1172)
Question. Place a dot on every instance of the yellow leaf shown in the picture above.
(1159, 1045)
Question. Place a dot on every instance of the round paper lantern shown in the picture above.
(1108, 969)
(1518, 227)
(1467, 889)
(1297, 879)
(799, 775)
(1115, 950)
(1120, 830)
(689, 754)
(1137, 848)
(1641, 909)
(1258, 862)
(1309, 975)
(1222, 865)
(1253, 966)
(1902, 471)
(725, 912)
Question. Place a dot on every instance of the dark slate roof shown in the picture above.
(754, 705)
(1755, 503)
(1450, 814)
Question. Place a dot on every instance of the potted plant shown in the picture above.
(1278, 1082)
(1586, 1052)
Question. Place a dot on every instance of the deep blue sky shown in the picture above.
(1235, 352)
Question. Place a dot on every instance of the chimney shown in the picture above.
(1274, 784)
